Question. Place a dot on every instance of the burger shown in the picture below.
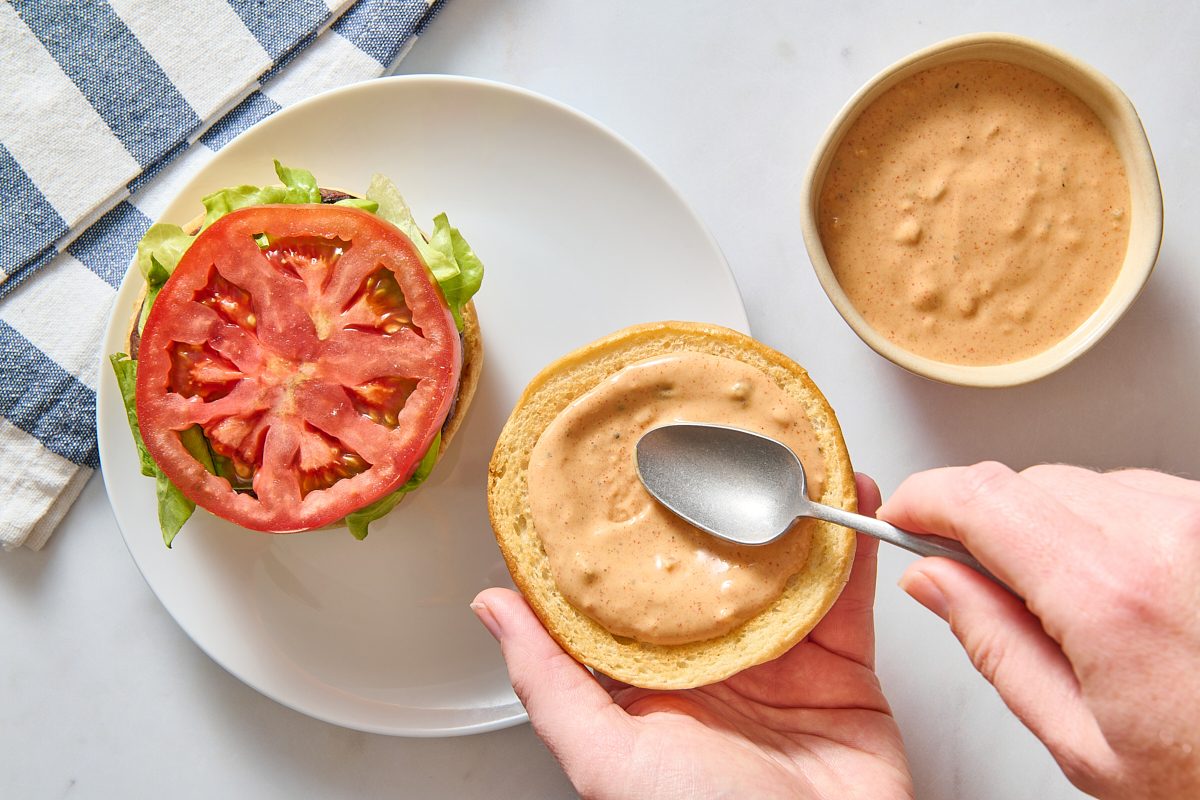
(300, 356)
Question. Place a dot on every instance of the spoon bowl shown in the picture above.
(750, 489)
(732, 483)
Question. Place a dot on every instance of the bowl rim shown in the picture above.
(1141, 171)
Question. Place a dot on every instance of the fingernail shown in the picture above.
(926, 592)
(485, 616)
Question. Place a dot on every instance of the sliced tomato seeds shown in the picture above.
(321, 364)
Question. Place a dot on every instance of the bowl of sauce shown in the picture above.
(982, 212)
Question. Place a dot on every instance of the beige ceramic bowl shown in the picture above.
(1114, 110)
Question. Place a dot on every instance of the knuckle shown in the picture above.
(987, 651)
(1145, 587)
(1040, 473)
(980, 483)
(1081, 769)
(1133, 593)
(1139, 474)
(521, 687)
(1054, 474)
(1186, 525)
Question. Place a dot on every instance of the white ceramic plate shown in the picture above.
(580, 236)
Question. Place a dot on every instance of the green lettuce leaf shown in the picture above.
(158, 254)
(359, 202)
(300, 182)
(174, 508)
(393, 208)
(126, 370)
(459, 281)
(197, 444)
(358, 521)
(299, 186)
(159, 251)
(151, 296)
(470, 268)
(223, 468)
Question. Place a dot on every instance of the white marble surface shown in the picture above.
(102, 695)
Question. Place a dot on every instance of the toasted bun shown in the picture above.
(469, 378)
(472, 341)
(808, 594)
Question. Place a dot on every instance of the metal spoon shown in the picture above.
(750, 489)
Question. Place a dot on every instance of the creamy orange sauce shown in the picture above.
(616, 553)
(976, 213)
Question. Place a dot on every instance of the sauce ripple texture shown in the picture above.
(976, 213)
(617, 554)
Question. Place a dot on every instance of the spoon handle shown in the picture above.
(921, 544)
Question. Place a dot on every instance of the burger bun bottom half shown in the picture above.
(808, 594)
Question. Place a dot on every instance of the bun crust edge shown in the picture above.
(808, 595)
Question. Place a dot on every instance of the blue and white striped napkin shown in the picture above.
(108, 107)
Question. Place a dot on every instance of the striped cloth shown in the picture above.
(109, 106)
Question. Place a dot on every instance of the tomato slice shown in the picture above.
(316, 353)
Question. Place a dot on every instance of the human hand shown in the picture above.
(811, 724)
(1102, 659)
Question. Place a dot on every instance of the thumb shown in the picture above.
(567, 707)
(1009, 647)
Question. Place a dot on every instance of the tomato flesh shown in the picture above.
(313, 349)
